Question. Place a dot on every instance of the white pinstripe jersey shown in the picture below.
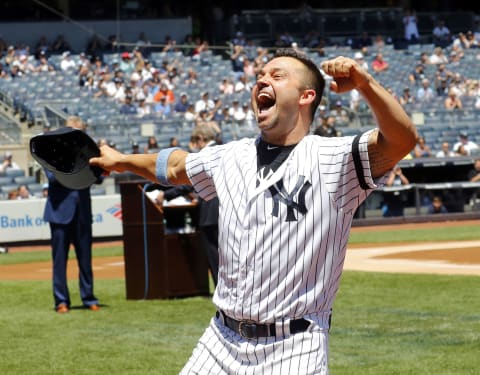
(271, 268)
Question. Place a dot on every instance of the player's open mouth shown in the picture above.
(265, 101)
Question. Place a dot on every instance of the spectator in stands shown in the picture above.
(360, 59)
(190, 115)
(10, 57)
(23, 192)
(192, 77)
(422, 150)
(237, 57)
(162, 108)
(394, 202)
(438, 57)
(460, 150)
(43, 65)
(45, 190)
(128, 107)
(340, 114)
(249, 69)
(379, 42)
(120, 89)
(437, 206)
(474, 174)
(455, 58)
(127, 65)
(249, 116)
(406, 97)
(227, 87)
(67, 63)
(445, 151)
(326, 127)
(182, 104)
(236, 111)
(424, 59)
(357, 103)
(410, 26)
(417, 74)
(425, 93)
(8, 162)
(468, 146)
(143, 108)
(242, 84)
(206, 118)
(135, 148)
(12, 195)
(3, 71)
(477, 102)
(200, 47)
(15, 70)
(170, 45)
(453, 101)
(100, 68)
(472, 41)
(173, 142)
(441, 34)
(164, 92)
(205, 103)
(441, 87)
(25, 65)
(152, 145)
(239, 39)
(379, 64)
(461, 41)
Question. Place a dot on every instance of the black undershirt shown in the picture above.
(270, 157)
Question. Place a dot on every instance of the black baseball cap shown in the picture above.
(66, 153)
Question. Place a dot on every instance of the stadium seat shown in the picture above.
(5, 180)
(25, 180)
(13, 173)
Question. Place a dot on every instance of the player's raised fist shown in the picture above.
(346, 73)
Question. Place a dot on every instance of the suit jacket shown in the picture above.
(63, 203)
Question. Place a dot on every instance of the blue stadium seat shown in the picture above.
(15, 173)
(25, 180)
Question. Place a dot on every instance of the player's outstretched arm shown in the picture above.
(144, 165)
(396, 135)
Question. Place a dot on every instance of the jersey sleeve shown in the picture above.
(201, 167)
(346, 172)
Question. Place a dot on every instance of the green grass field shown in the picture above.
(382, 324)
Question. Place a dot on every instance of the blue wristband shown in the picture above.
(162, 164)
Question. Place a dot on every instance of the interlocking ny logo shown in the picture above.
(279, 194)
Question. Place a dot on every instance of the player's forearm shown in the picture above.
(393, 121)
(397, 131)
(140, 164)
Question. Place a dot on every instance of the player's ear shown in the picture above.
(307, 97)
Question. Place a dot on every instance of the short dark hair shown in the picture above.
(316, 79)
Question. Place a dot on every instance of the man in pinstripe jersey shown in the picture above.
(287, 201)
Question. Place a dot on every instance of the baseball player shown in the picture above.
(287, 201)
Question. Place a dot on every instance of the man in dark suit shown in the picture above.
(69, 213)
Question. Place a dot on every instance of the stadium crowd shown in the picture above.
(148, 80)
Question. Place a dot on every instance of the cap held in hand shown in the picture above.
(66, 153)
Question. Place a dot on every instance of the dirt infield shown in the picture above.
(459, 257)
